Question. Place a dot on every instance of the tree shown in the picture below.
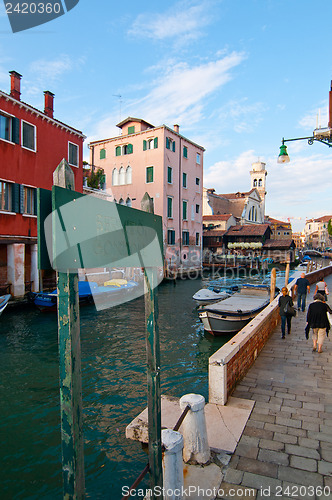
(329, 227)
(96, 178)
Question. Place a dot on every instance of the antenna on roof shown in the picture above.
(120, 102)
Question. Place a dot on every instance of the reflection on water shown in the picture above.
(114, 389)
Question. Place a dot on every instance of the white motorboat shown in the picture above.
(210, 295)
(230, 315)
(4, 302)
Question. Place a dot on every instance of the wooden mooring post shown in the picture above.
(273, 284)
(70, 367)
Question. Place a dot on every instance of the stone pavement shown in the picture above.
(286, 448)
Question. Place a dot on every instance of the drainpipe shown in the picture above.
(180, 202)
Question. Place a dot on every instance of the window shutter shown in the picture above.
(118, 151)
(129, 149)
(21, 199)
(16, 130)
(16, 198)
(144, 145)
(35, 201)
(167, 142)
(102, 154)
(131, 130)
(173, 146)
(155, 142)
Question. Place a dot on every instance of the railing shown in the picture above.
(147, 467)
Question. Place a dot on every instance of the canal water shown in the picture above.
(114, 388)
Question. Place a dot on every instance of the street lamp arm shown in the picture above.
(310, 140)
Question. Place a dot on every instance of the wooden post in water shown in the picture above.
(273, 283)
(153, 367)
(287, 273)
(70, 368)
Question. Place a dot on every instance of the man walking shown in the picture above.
(302, 286)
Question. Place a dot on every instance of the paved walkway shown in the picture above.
(286, 447)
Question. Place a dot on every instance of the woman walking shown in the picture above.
(285, 302)
(317, 320)
(321, 288)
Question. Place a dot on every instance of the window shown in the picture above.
(198, 158)
(150, 144)
(170, 237)
(260, 183)
(255, 182)
(72, 154)
(149, 174)
(118, 151)
(184, 210)
(185, 238)
(185, 152)
(29, 201)
(122, 176)
(131, 130)
(170, 144)
(121, 201)
(169, 175)
(197, 183)
(102, 154)
(127, 149)
(129, 175)
(184, 180)
(169, 207)
(197, 239)
(115, 177)
(9, 128)
(197, 209)
(128, 202)
(29, 136)
(5, 196)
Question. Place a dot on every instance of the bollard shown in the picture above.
(196, 447)
(172, 464)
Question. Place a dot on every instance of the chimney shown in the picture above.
(330, 108)
(176, 128)
(15, 85)
(49, 99)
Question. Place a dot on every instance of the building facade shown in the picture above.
(32, 144)
(169, 167)
(316, 233)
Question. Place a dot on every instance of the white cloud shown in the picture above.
(315, 118)
(241, 116)
(184, 20)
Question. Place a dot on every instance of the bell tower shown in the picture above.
(258, 181)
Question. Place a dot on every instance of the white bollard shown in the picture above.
(196, 447)
(172, 464)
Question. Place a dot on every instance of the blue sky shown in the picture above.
(236, 75)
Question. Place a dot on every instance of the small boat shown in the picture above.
(206, 296)
(4, 302)
(89, 292)
(230, 315)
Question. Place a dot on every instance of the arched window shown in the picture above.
(115, 177)
(128, 202)
(255, 182)
(122, 176)
(260, 183)
(121, 202)
(255, 214)
(129, 175)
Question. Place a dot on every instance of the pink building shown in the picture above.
(169, 167)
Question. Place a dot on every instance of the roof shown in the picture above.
(281, 244)
(236, 196)
(213, 233)
(324, 218)
(271, 220)
(217, 217)
(131, 119)
(40, 113)
(248, 230)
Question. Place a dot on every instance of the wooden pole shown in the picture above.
(153, 367)
(287, 273)
(273, 284)
(70, 368)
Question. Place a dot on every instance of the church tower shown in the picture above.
(258, 180)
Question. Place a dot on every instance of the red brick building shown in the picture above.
(32, 144)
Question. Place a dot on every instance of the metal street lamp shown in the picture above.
(323, 135)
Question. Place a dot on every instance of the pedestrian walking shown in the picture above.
(318, 321)
(321, 288)
(286, 310)
(302, 286)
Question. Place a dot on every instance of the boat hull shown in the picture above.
(4, 302)
(216, 324)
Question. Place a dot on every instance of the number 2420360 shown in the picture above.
(33, 8)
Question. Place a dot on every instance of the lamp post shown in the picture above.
(323, 135)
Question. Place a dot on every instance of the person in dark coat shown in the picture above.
(317, 319)
(285, 317)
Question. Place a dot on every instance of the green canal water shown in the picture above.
(114, 390)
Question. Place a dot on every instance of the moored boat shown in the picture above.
(206, 296)
(230, 315)
(4, 302)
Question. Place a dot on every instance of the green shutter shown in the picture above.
(155, 141)
(169, 207)
(144, 145)
(185, 151)
(129, 149)
(169, 175)
(16, 198)
(15, 130)
(131, 130)
(149, 174)
(118, 151)
(21, 199)
(184, 206)
(167, 143)
(173, 146)
(102, 154)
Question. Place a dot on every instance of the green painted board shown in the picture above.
(91, 232)
(44, 208)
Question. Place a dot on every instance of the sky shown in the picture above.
(236, 75)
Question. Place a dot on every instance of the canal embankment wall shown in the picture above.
(231, 362)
